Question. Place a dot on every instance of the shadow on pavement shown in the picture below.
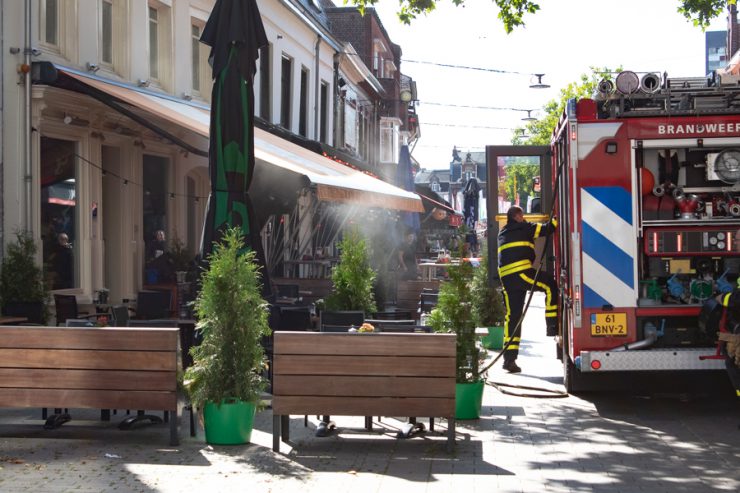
(354, 450)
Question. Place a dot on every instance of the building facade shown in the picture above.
(105, 128)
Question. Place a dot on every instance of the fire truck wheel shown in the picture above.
(570, 375)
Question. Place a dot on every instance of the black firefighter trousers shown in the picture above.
(516, 286)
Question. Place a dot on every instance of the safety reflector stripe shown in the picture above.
(608, 255)
(607, 287)
(515, 244)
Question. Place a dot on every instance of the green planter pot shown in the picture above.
(468, 400)
(494, 339)
(229, 423)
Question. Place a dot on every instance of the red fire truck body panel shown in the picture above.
(649, 205)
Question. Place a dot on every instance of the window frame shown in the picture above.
(305, 90)
(286, 91)
(164, 55)
(265, 82)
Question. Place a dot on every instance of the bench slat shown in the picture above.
(88, 379)
(363, 366)
(372, 344)
(88, 359)
(361, 406)
(119, 338)
(96, 399)
(363, 386)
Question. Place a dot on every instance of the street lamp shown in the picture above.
(529, 117)
(539, 84)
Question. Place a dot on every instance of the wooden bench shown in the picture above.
(98, 368)
(355, 374)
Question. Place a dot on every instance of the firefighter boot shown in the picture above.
(552, 327)
(511, 366)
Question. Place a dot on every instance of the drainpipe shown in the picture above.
(28, 216)
(317, 88)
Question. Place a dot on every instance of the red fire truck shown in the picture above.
(648, 195)
(647, 180)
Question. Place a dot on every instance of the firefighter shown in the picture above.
(515, 256)
(731, 302)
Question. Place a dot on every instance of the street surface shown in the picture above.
(661, 441)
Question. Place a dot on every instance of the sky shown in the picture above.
(562, 41)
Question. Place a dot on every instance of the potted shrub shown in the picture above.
(352, 277)
(23, 290)
(453, 314)
(488, 305)
(182, 259)
(225, 378)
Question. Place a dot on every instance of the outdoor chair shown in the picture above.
(394, 315)
(347, 318)
(79, 322)
(294, 319)
(119, 314)
(153, 305)
(287, 290)
(31, 310)
(65, 306)
(335, 328)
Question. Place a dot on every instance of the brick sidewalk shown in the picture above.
(611, 443)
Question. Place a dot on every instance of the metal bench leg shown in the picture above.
(431, 423)
(369, 423)
(174, 438)
(450, 435)
(285, 427)
(192, 421)
(276, 432)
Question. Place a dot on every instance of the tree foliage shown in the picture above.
(488, 302)
(21, 279)
(519, 179)
(454, 314)
(353, 277)
(232, 316)
(512, 12)
(540, 130)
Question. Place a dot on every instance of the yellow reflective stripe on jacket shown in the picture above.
(554, 222)
(726, 299)
(537, 230)
(515, 267)
(515, 244)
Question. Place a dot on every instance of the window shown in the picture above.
(324, 129)
(153, 43)
(303, 114)
(200, 70)
(112, 30)
(106, 32)
(195, 42)
(388, 140)
(59, 224)
(265, 87)
(436, 187)
(154, 208)
(159, 43)
(57, 27)
(285, 90)
(50, 22)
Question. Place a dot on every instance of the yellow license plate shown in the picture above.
(609, 324)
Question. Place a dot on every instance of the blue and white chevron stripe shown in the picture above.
(609, 247)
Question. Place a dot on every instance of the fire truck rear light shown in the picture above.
(573, 132)
(595, 364)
